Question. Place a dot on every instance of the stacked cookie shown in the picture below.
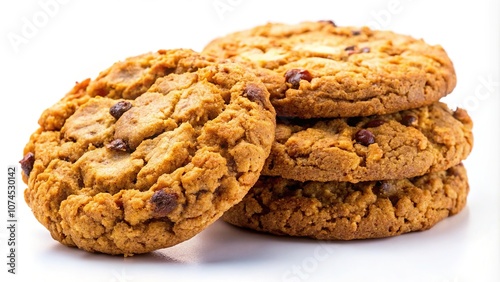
(363, 148)
(304, 130)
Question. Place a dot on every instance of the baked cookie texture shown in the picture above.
(149, 153)
(400, 145)
(346, 211)
(320, 70)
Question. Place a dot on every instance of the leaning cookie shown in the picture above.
(346, 211)
(316, 69)
(400, 145)
(148, 154)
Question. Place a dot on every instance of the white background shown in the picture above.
(77, 39)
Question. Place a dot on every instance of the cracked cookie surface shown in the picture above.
(316, 69)
(400, 145)
(346, 211)
(148, 154)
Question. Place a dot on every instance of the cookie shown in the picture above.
(320, 70)
(400, 145)
(347, 211)
(148, 154)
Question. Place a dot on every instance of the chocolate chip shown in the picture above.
(27, 163)
(374, 123)
(356, 32)
(354, 50)
(408, 120)
(328, 22)
(294, 76)
(386, 190)
(118, 145)
(163, 202)
(118, 109)
(353, 121)
(394, 200)
(255, 94)
(364, 137)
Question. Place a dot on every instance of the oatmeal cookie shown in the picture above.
(400, 145)
(346, 211)
(320, 70)
(148, 154)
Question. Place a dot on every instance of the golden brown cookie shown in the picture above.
(148, 154)
(346, 211)
(316, 69)
(400, 145)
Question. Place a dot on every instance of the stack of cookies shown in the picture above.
(363, 148)
(303, 130)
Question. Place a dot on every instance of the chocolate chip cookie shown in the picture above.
(346, 211)
(148, 154)
(400, 145)
(317, 69)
